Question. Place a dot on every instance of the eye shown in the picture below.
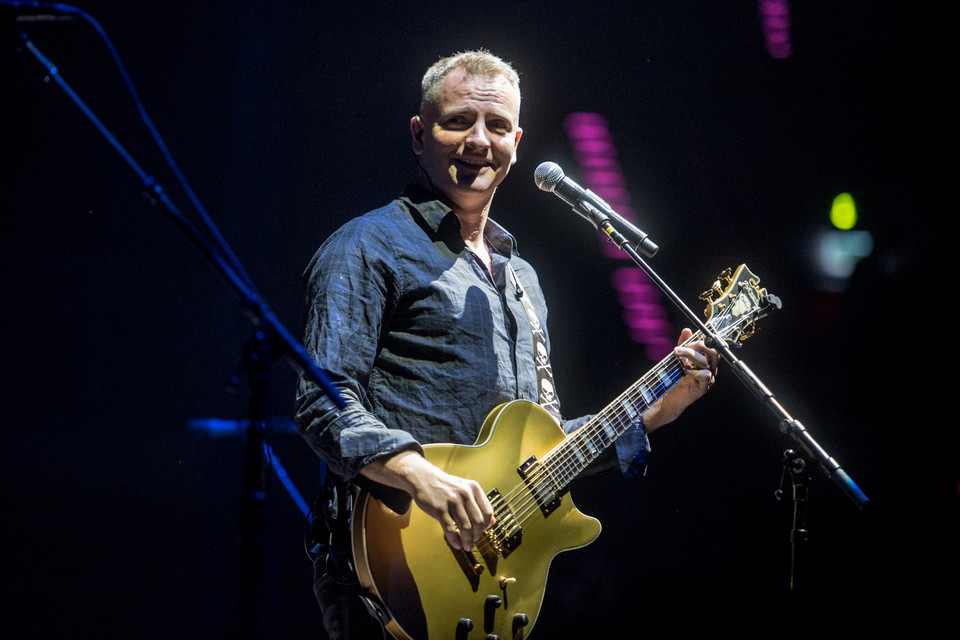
(501, 127)
(457, 122)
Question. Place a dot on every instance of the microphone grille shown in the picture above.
(548, 175)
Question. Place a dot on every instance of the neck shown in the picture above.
(471, 228)
(472, 215)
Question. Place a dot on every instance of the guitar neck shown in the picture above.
(585, 445)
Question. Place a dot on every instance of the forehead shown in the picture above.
(462, 90)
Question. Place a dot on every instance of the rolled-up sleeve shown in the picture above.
(350, 289)
(628, 453)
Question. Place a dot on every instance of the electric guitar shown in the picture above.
(424, 589)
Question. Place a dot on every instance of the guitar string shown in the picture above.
(544, 485)
(593, 431)
(554, 473)
(549, 469)
(561, 471)
(626, 407)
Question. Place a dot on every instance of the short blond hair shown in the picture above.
(479, 62)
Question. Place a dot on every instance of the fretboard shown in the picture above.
(567, 460)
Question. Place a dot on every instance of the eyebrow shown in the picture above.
(496, 112)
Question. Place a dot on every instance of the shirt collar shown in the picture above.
(444, 222)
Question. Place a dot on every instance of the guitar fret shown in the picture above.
(610, 431)
(630, 409)
(648, 396)
(591, 448)
(598, 438)
(578, 451)
(624, 421)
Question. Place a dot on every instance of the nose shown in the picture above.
(478, 137)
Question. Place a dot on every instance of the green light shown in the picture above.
(843, 213)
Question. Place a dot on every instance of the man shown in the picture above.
(418, 312)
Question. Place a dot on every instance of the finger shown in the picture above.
(481, 518)
(463, 526)
(476, 511)
(711, 357)
(452, 532)
(486, 509)
(699, 355)
(691, 358)
(471, 521)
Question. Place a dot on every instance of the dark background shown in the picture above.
(289, 118)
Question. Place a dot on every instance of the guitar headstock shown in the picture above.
(735, 302)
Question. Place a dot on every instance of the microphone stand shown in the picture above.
(270, 341)
(787, 423)
(799, 470)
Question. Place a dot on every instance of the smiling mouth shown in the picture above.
(472, 164)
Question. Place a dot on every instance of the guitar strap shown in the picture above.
(547, 390)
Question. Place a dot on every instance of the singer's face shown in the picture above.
(467, 141)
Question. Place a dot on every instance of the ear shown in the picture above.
(516, 143)
(416, 134)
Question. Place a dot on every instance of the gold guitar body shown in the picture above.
(425, 587)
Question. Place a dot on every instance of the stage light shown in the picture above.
(837, 251)
(843, 212)
(643, 313)
(775, 19)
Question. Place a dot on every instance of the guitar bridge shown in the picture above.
(505, 535)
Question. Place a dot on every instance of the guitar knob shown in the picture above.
(464, 626)
(490, 606)
(520, 620)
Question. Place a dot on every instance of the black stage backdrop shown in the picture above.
(288, 118)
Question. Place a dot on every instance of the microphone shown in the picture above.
(549, 177)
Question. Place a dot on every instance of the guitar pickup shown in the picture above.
(541, 485)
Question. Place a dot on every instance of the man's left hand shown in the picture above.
(700, 369)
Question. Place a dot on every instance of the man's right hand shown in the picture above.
(459, 505)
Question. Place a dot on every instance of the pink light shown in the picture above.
(604, 178)
(643, 314)
(634, 280)
(616, 196)
(583, 143)
(775, 17)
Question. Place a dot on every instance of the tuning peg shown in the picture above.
(771, 300)
(713, 293)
